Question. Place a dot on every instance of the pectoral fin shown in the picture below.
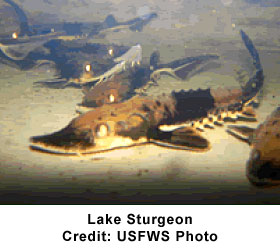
(184, 68)
(242, 133)
(183, 72)
(182, 138)
(180, 73)
(55, 83)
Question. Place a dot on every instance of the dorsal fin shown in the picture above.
(154, 59)
(110, 21)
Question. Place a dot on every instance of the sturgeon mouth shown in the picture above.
(67, 143)
(262, 173)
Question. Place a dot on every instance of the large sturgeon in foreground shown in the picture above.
(263, 166)
(141, 119)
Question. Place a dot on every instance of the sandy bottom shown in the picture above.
(143, 174)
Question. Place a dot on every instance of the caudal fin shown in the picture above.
(255, 83)
(252, 50)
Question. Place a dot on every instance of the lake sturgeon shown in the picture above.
(140, 120)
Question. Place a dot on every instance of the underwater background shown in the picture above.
(142, 174)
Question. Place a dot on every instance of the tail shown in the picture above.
(249, 92)
(255, 83)
(181, 68)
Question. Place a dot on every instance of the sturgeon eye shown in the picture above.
(88, 68)
(111, 52)
(102, 130)
(15, 35)
(111, 98)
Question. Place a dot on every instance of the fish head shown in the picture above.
(88, 69)
(102, 129)
(82, 62)
(88, 64)
(81, 69)
(112, 91)
(263, 167)
(263, 170)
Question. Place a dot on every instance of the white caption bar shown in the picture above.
(139, 227)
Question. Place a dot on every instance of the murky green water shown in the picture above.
(146, 173)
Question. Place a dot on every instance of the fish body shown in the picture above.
(111, 24)
(135, 121)
(75, 62)
(91, 30)
(68, 47)
(75, 28)
(121, 63)
(79, 62)
(141, 119)
(137, 77)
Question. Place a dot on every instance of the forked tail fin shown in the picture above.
(255, 83)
